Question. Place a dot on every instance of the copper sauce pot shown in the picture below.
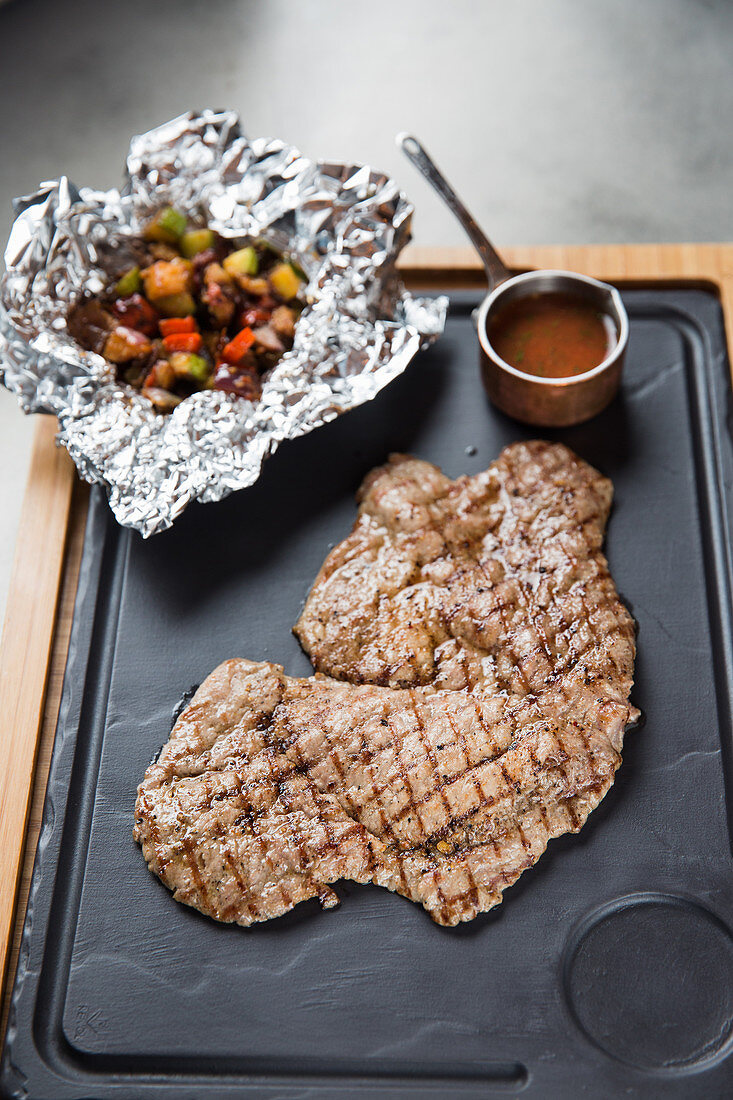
(544, 402)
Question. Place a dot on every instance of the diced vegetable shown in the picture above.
(177, 305)
(199, 369)
(161, 251)
(285, 281)
(136, 312)
(243, 383)
(202, 259)
(166, 278)
(124, 344)
(219, 301)
(255, 316)
(193, 301)
(254, 286)
(242, 262)
(237, 348)
(194, 241)
(134, 373)
(161, 374)
(167, 225)
(187, 365)
(283, 321)
(215, 273)
(183, 341)
(268, 339)
(129, 283)
(176, 324)
(164, 400)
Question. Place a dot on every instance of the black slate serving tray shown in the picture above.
(608, 970)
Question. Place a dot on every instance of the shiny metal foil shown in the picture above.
(344, 225)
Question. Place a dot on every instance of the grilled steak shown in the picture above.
(479, 665)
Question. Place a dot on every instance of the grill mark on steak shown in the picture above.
(495, 662)
(405, 776)
(233, 908)
(250, 900)
(512, 656)
(437, 785)
(189, 853)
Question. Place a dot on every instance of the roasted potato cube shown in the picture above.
(283, 321)
(124, 344)
(255, 286)
(165, 278)
(215, 273)
(162, 374)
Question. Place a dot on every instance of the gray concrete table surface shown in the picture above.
(558, 120)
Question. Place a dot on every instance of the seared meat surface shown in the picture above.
(439, 575)
(479, 666)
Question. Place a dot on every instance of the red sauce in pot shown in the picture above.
(551, 335)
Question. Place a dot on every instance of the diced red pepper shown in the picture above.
(237, 348)
(171, 325)
(183, 341)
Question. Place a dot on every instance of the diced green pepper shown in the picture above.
(198, 368)
(176, 305)
(129, 283)
(188, 364)
(196, 240)
(242, 262)
(167, 225)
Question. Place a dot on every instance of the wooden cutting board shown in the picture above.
(43, 583)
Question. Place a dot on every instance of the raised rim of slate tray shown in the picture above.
(714, 443)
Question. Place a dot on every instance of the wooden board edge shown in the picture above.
(25, 651)
(617, 262)
(57, 671)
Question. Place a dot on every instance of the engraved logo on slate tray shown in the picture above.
(89, 1022)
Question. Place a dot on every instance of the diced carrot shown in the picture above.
(237, 348)
(183, 341)
(170, 325)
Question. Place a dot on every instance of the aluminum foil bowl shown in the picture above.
(344, 224)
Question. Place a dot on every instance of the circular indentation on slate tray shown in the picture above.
(649, 979)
